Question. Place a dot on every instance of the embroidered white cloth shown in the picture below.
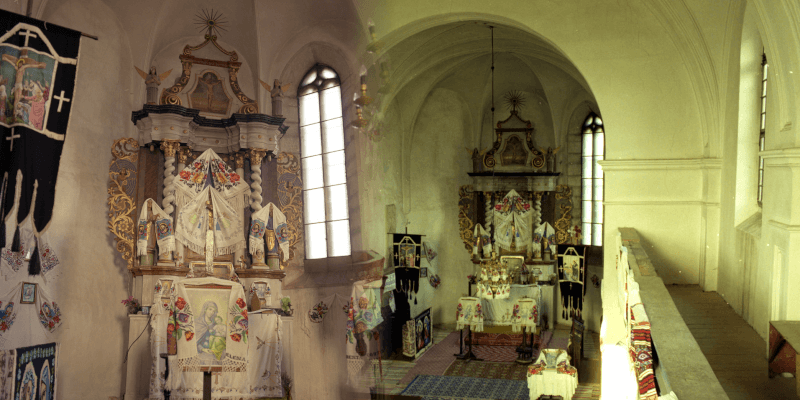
(225, 181)
(499, 312)
(545, 232)
(482, 241)
(49, 313)
(162, 227)
(258, 227)
(550, 381)
(263, 376)
(8, 361)
(192, 224)
(525, 315)
(513, 208)
(470, 313)
(210, 325)
(363, 315)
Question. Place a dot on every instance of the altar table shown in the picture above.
(498, 312)
(784, 340)
(552, 380)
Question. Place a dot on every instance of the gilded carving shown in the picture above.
(290, 192)
(170, 147)
(256, 156)
(121, 189)
(170, 95)
(564, 193)
(466, 224)
(239, 160)
(183, 155)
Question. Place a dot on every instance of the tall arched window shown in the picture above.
(326, 217)
(762, 135)
(592, 177)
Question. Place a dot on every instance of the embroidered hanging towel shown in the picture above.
(482, 242)
(547, 234)
(513, 218)
(8, 309)
(163, 229)
(39, 63)
(258, 226)
(572, 279)
(193, 223)
(469, 313)
(225, 181)
(49, 312)
(525, 315)
(363, 317)
(209, 324)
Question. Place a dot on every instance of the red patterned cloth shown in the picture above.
(641, 352)
(564, 368)
(537, 368)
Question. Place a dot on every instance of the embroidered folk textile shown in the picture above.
(525, 315)
(210, 325)
(263, 291)
(36, 372)
(430, 253)
(409, 334)
(192, 224)
(500, 312)
(513, 209)
(641, 350)
(262, 378)
(362, 339)
(545, 236)
(207, 167)
(552, 375)
(258, 227)
(162, 227)
(572, 279)
(7, 314)
(8, 360)
(469, 313)
(39, 65)
(482, 242)
(49, 312)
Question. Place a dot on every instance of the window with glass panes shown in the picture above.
(327, 224)
(761, 136)
(592, 180)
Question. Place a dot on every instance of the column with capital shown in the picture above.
(238, 159)
(169, 147)
(256, 157)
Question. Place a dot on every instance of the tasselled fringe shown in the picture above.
(141, 247)
(166, 245)
(256, 244)
(222, 251)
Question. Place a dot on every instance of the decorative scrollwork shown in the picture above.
(564, 194)
(538, 156)
(170, 95)
(121, 188)
(290, 196)
(466, 224)
(249, 105)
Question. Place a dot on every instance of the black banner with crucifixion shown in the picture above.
(572, 279)
(38, 66)
(406, 254)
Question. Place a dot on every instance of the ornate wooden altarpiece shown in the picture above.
(513, 162)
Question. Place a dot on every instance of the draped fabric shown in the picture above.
(469, 313)
(482, 242)
(49, 312)
(513, 209)
(552, 375)
(547, 234)
(525, 315)
(192, 180)
(572, 279)
(192, 224)
(363, 316)
(163, 229)
(211, 327)
(258, 227)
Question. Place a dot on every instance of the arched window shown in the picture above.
(592, 178)
(761, 137)
(326, 216)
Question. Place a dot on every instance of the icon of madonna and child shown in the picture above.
(211, 332)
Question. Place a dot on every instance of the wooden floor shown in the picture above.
(737, 353)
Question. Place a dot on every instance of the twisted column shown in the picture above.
(256, 156)
(489, 214)
(238, 159)
(537, 206)
(183, 159)
(169, 147)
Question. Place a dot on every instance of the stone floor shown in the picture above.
(736, 353)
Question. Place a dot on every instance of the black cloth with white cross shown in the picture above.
(38, 65)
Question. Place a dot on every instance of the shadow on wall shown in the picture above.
(669, 273)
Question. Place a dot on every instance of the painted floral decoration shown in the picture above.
(239, 324)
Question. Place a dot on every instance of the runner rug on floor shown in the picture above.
(436, 360)
(488, 370)
(459, 387)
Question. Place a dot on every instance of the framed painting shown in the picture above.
(423, 272)
(424, 333)
(28, 293)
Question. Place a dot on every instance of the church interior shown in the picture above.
(386, 199)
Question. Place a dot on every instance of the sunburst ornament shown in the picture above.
(514, 100)
(211, 21)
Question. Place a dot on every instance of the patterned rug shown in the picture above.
(436, 360)
(488, 370)
(496, 353)
(459, 387)
(502, 339)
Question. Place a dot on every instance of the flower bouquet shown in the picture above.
(134, 306)
(286, 306)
